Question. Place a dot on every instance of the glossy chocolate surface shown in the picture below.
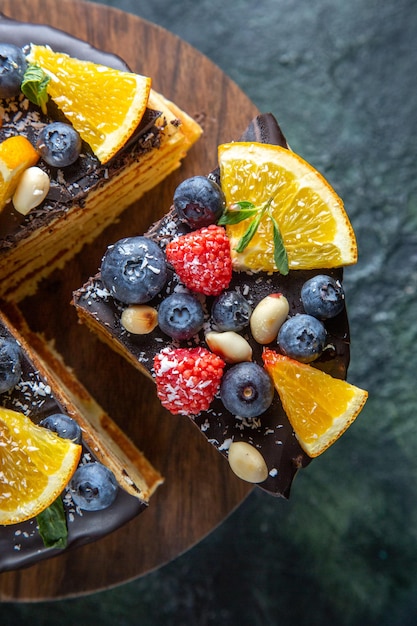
(271, 433)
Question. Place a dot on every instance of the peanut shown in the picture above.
(231, 346)
(31, 190)
(139, 319)
(247, 462)
(268, 317)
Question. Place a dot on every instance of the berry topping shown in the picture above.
(199, 201)
(202, 260)
(134, 270)
(93, 487)
(231, 311)
(13, 65)
(59, 144)
(64, 426)
(10, 368)
(187, 379)
(302, 337)
(180, 316)
(323, 297)
(246, 390)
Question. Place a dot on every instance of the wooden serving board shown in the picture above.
(199, 489)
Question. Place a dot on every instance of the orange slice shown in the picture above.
(35, 466)
(311, 218)
(16, 155)
(319, 407)
(103, 104)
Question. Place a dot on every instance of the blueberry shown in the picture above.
(134, 270)
(246, 390)
(302, 337)
(323, 297)
(231, 311)
(64, 426)
(13, 65)
(10, 367)
(199, 201)
(93, 487)
(180, 316)
(59, 144)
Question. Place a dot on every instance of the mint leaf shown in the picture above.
(34, 86)
(249, 233)
(234, 216)
(53, 525)
(280, 253)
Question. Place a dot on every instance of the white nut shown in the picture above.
(247, 462)
(231, 346)
(139, 319)
(268, 317)
(31, 190)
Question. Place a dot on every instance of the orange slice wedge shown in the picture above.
(16, 155)
(103, 104)
(35, 466)
(310, 216)
(319, 407)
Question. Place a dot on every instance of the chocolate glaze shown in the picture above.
(271, 433)
(71, 184)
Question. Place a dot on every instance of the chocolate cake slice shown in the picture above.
(45, 388)
(103, 310)
(86, 196)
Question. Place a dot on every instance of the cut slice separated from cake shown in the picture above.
(84, 195)
(246, 265)
(39, 393)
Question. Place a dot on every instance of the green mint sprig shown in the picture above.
(53, 525)
(245, 210)
(34, 86)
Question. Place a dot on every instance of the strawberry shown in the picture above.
(202, 260)
(187, 379)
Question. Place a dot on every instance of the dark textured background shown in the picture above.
(341, 79)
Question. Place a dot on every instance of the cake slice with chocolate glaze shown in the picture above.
(35, 382)
(79, 178)
(225, 285)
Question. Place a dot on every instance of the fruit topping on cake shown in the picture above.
(61, 456)
(253, 256)
(319, 407)
(104, 105)
(80, 141)
(202, 260)
(284, 208)
(36, 465)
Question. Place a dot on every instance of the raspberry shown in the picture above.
(202, 260)
(187, 379)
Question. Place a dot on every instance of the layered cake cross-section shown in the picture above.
(81, 139)
(109, 480)
(233, 303)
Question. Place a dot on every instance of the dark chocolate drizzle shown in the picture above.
(271, 433)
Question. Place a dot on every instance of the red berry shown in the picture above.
(202, 260)
(187, 379)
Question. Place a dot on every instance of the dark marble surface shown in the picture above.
(340, 77)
